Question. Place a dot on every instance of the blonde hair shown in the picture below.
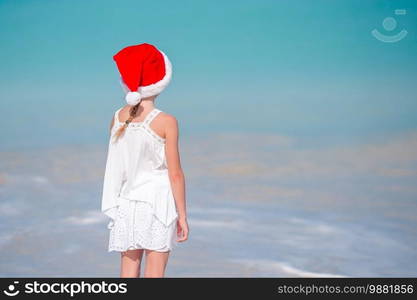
(121, 130)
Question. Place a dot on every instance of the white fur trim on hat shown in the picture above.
(155, 88)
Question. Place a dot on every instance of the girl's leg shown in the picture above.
(130, 263)
(155, 263)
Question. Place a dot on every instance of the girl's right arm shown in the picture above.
(176, 175)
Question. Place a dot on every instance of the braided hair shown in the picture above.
(132, 114)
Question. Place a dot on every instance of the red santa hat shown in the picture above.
(144, 71)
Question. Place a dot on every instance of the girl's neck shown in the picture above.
(146, 104)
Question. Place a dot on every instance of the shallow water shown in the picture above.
(279, 209)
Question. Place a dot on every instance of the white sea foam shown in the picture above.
(218, 210)
(5, 238)
(216, 223)
(90, 217)
(40, 179)
(18, 178)
(73, 248)
(314, 226)
(7, 209)
(278, 268)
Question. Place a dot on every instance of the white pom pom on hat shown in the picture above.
(144, 71)
(133, 98)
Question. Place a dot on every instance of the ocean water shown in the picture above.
(277, 207)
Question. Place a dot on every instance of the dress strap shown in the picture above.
(147, 127)
(151, 116)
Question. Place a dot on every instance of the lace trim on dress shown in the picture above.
(145, 124)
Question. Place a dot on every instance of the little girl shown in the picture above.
(144, 185)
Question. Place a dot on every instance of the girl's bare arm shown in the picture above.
(175, 172)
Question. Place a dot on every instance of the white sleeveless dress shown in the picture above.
(137, 194)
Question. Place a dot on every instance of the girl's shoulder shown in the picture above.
(116, 113)
(121, 108)
(167, 117)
